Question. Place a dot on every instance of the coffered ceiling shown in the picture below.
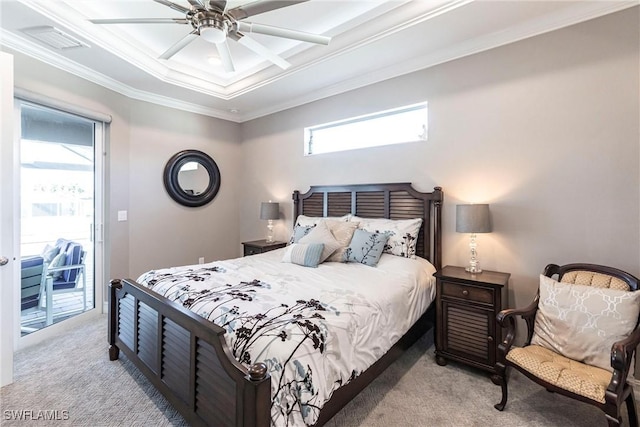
(371, 40)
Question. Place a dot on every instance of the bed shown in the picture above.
(195, 363)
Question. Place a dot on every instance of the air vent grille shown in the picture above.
(54, 37)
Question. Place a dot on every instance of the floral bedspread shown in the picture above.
(314, 328)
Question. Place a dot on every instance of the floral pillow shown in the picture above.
(403, 233)
(299, 231)
(366, 247)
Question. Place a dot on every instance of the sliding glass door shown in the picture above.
(60, 215)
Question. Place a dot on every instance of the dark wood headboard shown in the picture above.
(392, 201)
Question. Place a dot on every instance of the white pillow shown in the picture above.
(311, 221)
(403, 233)
(321, 234)
(582, 322)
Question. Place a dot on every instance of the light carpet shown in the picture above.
(73, 376)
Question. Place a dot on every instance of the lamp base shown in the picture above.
(473, 270)
(270, 231)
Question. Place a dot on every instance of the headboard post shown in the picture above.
(437, 227)
(296, 205)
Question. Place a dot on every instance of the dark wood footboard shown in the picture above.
(187, 359)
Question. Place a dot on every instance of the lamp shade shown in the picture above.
(269, 210)
(473, 219)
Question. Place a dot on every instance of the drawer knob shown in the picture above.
(465, 293)
(490, 338)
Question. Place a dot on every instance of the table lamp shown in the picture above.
(269, 211)
(473, 219)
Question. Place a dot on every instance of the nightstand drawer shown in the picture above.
(471, 293)
(251, 250)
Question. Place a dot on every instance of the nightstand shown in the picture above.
(261, 246)
(466, 309)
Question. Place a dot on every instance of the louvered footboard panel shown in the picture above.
(175, 358)
(215, 392)
(148, 336)
(125, 320)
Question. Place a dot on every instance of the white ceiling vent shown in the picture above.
(53, 37)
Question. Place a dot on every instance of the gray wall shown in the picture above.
(544, 130)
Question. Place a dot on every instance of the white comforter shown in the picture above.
(315, 328)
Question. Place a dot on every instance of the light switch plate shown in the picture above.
(122, 215)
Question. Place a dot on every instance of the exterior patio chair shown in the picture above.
(69, 276)
(582, 334)
(31, 269)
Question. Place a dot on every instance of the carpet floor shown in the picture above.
(71, 378)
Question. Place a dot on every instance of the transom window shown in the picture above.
(395, 126)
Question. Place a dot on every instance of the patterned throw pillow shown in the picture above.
(299, 231)
(306, 255)
(582, 322)
(403, 233)
(366, 247)
(322, 234)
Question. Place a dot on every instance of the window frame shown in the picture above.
(311, 131)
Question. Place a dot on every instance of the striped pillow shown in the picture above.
(305, 254)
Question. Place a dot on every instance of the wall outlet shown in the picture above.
(201, 260)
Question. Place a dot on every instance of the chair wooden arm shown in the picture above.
(507, 319)
(621, 359)
(65, 268)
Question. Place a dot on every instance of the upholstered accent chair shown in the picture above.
(582, 333)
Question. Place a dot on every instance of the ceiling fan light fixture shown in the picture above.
(213, 30)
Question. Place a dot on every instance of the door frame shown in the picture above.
(9, 301)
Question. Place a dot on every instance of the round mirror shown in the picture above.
(192, 178)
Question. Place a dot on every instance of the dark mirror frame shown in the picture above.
(172, 185)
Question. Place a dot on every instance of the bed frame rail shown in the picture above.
(186, 358)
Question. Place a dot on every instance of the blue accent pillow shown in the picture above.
(299, 231)
(366, 247)
(304, 254)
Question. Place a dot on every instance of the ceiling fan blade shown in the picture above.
(259, 7)
(249, 27)
(220, 5)
(173, 6)
(261, 50)
(179, 45)
(196, 3)
(225, 57)
(140, 21)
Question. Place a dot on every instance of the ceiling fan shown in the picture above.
(214, 22)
